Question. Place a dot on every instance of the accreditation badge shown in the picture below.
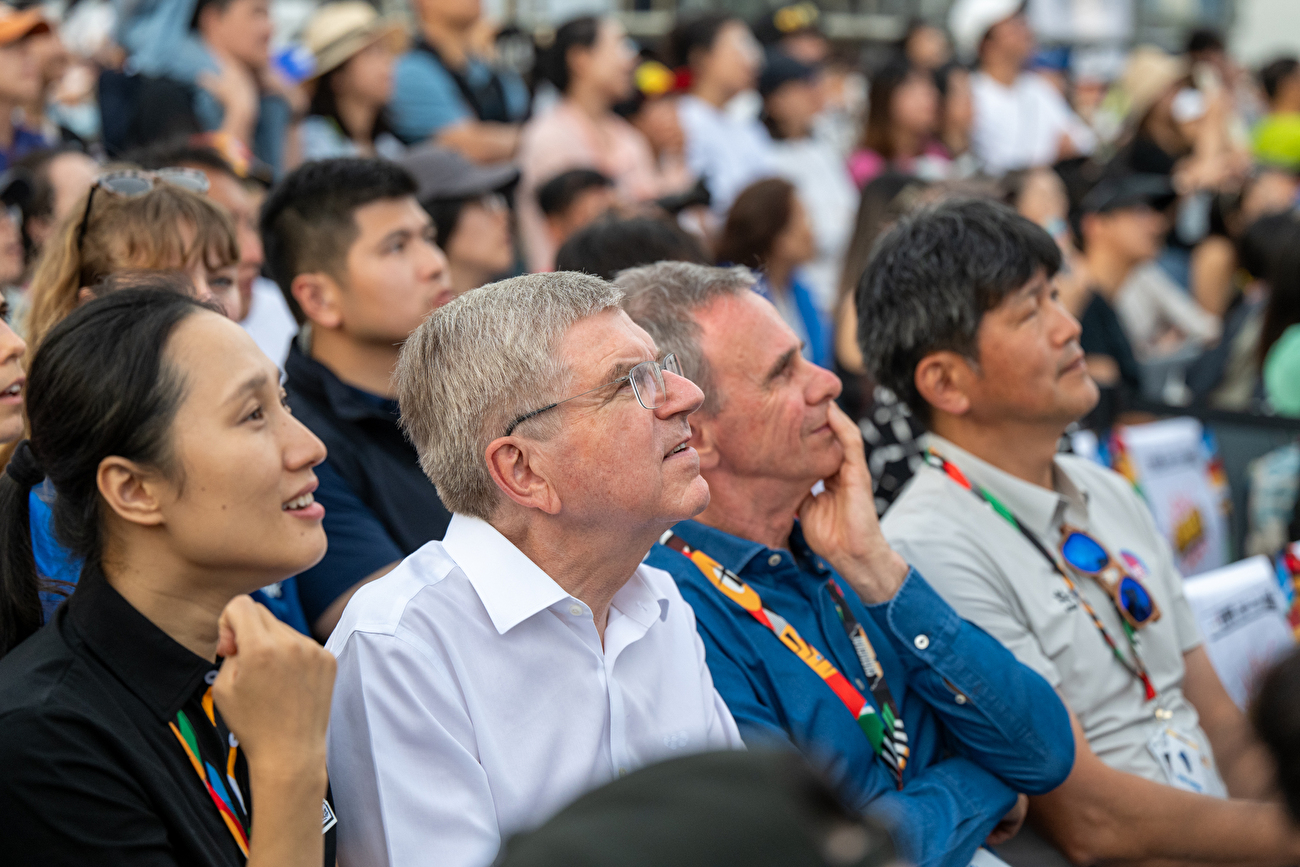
(1185, 763)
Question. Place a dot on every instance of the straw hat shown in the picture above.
(1148, 76)
(14, 25)
(337, 31)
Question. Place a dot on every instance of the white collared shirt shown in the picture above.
(474, 699)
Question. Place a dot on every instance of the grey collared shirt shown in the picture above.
(996, 579)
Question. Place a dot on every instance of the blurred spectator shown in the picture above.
(590, 62)
(356, 258)
(14, 190)
(795, 31)
(768, 230)
(574, 199)
(58, 177)
(446, 91)
(902, 119)
(652, 109)
(470, 211)
(614, 244)
(1276, 718)
(925, 46)
(20, 81)
(263, 311)
(51, 60)
(355, 50)
(758, 808)
(1020, 120)
(1277, 137)
(720, 58)
(157, 221)
(1279, 341)
(792, 99)
(1121, 226)
(956, 118)
(241, 94)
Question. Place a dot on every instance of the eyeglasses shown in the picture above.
(647, 380)
(130, 183)
(1086, 554)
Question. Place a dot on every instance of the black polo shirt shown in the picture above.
(379, 504)
(91, 772)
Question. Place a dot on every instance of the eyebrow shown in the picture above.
(252, 385)
(781, 364)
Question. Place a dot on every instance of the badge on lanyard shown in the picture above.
(1185, 764)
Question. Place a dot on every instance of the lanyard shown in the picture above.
(1136, 667)
(884, 730)
(210, 777)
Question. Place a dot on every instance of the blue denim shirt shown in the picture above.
(981, 726)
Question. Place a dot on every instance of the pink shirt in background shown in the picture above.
(865, 165)
(566, 138)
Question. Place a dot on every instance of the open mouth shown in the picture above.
(680, 447)
(297, 503)
(14, 390)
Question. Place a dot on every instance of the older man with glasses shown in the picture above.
(818, 634)
(529, 656)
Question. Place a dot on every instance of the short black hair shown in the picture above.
(692, 33)
(307, 221)
(1274, 73)
(220, 5)
(180, 152)
(1204, 39)
(552, 62)
(611, 245)
(559, 193)
(931, 279)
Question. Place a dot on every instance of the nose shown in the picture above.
(303, 449)
(12, 347)
(1065, 328)
(202, 290)
(433, 264)
(683, 397)
(823, 385)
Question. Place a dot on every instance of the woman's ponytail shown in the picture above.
(20, 601)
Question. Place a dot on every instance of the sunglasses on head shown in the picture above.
(1087, 556)
(130, 183)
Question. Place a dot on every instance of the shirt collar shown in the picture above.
(155, 667)
(731, 551)
(345, 401)
(1039, 509)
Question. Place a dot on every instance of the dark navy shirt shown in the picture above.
(981, 726)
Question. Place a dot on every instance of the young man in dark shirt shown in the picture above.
(357, 260)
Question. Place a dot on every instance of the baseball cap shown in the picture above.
(782, 69)
(1115, 192)
(785, 21)
(444, 174)
(969, 21)
(15, 24)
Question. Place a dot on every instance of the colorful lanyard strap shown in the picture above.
(884, 730)
(1136, 667)
(212, 780)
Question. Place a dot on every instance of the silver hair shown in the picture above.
(480, 362)
(662, 298)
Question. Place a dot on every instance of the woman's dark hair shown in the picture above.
(882, 203)
(98, 386)
(694, 34)
(445, 214)
(1276, 718)
(324, 103)
(611, 245)
(757, 217)
(1259, 244)
(1283, 308)
(553, 63)
(877, 133)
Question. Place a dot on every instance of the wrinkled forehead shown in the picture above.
(606, 344)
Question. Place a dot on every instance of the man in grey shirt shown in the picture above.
(1055, 557)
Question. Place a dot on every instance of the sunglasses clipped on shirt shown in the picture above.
(1086, 555)
(130, 183)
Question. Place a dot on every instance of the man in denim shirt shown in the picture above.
(977, 728)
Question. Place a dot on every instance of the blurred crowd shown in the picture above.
(883, 273)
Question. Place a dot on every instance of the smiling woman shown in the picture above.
(183, 483)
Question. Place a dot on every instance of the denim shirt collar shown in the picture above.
(738, 554)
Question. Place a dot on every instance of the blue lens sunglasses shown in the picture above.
(1087, 556)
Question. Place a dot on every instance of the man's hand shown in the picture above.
(274, 689)
(840, 523)
(1010, 824)
(236, 88)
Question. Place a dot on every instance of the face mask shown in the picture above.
(82, 119)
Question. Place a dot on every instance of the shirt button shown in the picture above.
(575, 610)
(774, 560)
(961, 699)
(210, 678)
(921, 642)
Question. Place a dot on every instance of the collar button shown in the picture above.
(774, 560)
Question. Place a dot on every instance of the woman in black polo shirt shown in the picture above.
(139, 726)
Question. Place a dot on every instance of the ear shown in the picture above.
(129, 491)
(704, 439)
(509, 461)
(318, 296)
(942, 378)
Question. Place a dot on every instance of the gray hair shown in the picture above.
(480, 362)
(662, 299)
